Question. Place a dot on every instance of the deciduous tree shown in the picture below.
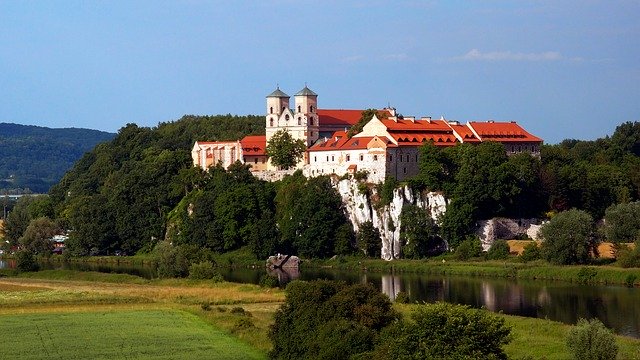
(285, 151)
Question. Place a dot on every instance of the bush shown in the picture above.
(499, 250)
(243, 324)
(26, 261)
(445, 331)
(628, 258)
(569, 238)
(471, 247)
(402, 298)
(590, 339)
(238, 310)
(268, 281)
(204, 271)
(330, 320)
(630, 280)
(587, 275)
(170, 260)
(531, 252)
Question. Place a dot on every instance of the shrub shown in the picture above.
(327, 319)
(26, 261)
(369, 240)
(238, 310)
(205, 306)
(499, 250)
(268, 281)
(402, 298)
(628, 258)
(569, 238)
(531, 252)
(630, 280)
(445, 331)
(204, 271)
(471, 247)
(590, 339)
(587, 275)
(243, 324)
(170, 261)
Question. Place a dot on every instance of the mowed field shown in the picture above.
(133, 334)
(73, 315)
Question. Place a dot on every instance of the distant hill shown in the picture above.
(35, 157)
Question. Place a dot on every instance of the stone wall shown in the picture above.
(506, 229)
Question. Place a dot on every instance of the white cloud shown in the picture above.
(477, 55)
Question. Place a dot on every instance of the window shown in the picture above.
(400, 157)
(361, 157)
(404, 170)
(327, 158)
(408, 158)
(416, 157)
(348, 157)
(311, 108)
(375, 157)
(315, 159)
(332, 158)
(299, 108)
(271, 110)
(299, 121)
(255, 161)
(390, 158)
(271, 122)
(286, 117)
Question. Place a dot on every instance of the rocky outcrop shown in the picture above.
(506, 229)
(360, 206)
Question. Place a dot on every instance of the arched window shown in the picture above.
(311, 108)
(299, 120)
(286, 117)
(299, 108)
(375, 157)
(271, 110)
(270, 122)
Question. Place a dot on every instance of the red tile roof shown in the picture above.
(340, 141)
(412, 139)
(254, 145)
(340, 117)
(502, 132)
(416, 125)
(463, 131)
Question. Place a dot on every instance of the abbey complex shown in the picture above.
(388, 144)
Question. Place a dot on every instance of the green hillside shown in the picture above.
(35, 158)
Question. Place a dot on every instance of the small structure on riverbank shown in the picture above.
(281, 261)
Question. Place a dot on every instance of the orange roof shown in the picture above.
(415, 125)
(340, 141)
(463, 131)
(254, 145)
(340, 117)
(412, 139)
(502, 132)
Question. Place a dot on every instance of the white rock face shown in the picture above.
(506, 229)
(386, 219)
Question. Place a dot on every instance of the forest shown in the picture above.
(33, 158)
(131, 193)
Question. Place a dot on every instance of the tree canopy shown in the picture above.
(284, 151)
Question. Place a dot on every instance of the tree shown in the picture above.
(37, 236)
(369, 240)
(445, 331)
(18, 220)
(569, 238)
(285, 151)
(499, 250)
(417, 232)
(328, 320)
(622, 223)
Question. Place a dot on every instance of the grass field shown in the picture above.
(61, 314)
(141, 334)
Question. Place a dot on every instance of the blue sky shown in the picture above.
(562, 68)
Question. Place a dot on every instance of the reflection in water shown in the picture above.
(284, 275)
(391, 286)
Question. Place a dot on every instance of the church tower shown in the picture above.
(277, 105)
(306, 123)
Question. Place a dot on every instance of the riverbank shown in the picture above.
(237, 314)
(537, 270)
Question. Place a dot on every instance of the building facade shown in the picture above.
(388, 144)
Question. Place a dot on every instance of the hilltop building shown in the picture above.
(387, 145)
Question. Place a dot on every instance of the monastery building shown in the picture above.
(387, 145)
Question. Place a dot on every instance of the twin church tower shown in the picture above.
(302, 121)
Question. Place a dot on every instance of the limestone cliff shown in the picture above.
(360, 207)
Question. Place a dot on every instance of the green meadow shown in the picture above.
(129, 334)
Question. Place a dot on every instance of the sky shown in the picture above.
(560, 68)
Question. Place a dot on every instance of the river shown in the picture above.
(617, 307)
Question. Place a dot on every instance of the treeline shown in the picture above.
(33, 158)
